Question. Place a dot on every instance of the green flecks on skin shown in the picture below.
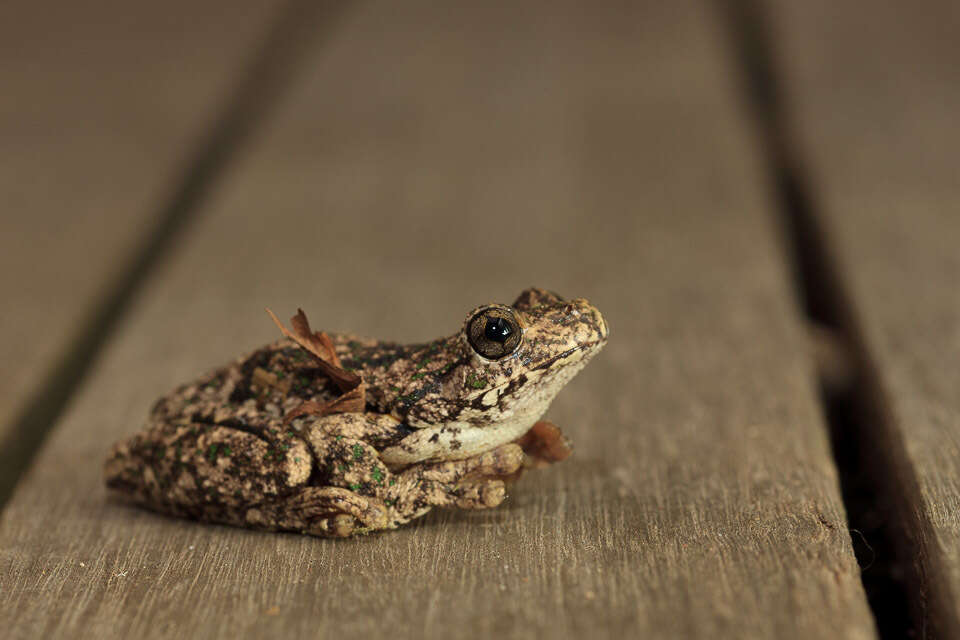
(343, 468)
(377, 475)
(357, 452)
(389, 502)
(418, 376)
(395, 388)
(212, 454)
(392, 482)
(338, 438)
(298, 459)
(285, 446)
(226, 451)
(476, 382)
(354, 487)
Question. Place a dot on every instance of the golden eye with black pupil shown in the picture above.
(494, 332)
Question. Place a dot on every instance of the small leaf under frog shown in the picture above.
(335, 435)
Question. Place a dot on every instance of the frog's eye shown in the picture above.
(494, 332)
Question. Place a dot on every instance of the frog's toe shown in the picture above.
(341, 525)
(544, 445)
(321, 507)
(481, 495)
(502, 461)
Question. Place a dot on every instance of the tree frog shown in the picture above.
(339, 435)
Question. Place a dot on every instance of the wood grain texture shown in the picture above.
(102, 105)
(438, 157)
(875, 98)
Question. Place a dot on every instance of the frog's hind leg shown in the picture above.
(205, 471)
(229, 476)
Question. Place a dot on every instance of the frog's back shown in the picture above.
(255, 391)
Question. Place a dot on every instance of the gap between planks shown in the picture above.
(907, 593)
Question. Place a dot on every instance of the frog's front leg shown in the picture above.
(471, 483)
(346, 448)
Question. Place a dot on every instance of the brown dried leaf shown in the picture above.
(317, 343)
(327, 345)
(321, 347)
(353, 401)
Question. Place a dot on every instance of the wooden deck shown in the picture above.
(715, 177)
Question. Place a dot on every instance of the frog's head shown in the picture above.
(505, 367)
(523, 354)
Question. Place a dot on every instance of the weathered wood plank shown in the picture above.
(874, 97)
(437, 157)
(102, 105)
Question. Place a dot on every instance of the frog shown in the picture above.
(339, 435)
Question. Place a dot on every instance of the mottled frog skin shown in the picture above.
(438, 426)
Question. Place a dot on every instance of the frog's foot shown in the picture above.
(322, 511)
(544, 444)
(471, 483)
(484, 494)
(501, 461)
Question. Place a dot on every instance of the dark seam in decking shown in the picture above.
(904, 586)
(270, 69)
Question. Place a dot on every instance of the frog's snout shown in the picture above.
(590, 316)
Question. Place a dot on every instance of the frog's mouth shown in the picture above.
(549, 362)
(583, 348)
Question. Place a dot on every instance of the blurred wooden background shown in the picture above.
(719, 178)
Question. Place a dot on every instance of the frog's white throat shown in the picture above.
(458, 440)
(501, 420)
(463, 438)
